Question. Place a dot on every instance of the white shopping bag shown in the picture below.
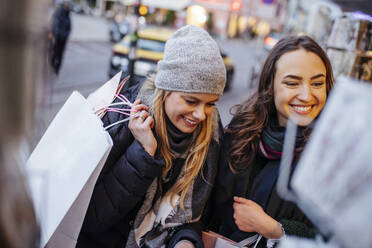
(105, 94)
(215, 240)
(333, 180)
(74, 146)
(296, 242)
(68, 229)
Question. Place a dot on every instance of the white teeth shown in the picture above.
(302, 109)
(190, 121)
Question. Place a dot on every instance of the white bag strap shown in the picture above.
(249, 241)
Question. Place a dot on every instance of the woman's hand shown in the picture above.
(184, 244)
(141, 126)
(250, 217)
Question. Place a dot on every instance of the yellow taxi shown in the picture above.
(150, 48)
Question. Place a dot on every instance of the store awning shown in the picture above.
(167, 4)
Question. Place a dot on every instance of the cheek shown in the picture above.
(279, 96)
(281, 101)
(175, 111)
(322, 98)
(171, 105)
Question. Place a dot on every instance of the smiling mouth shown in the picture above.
(301, 109)
(190, 122)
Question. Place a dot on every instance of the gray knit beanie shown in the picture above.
(192, 63)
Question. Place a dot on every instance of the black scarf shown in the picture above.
(271, 148)
(179, 143)
(272, 140)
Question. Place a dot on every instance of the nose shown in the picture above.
(305, 93)
(199, 112)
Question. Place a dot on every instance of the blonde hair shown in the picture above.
(198, 150)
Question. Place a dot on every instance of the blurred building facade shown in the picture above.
(314, 18)
(223, 18)
(243, 18)
(236, 18)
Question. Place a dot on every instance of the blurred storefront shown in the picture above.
(215, 15)
(314, 18)
(236, 18)
(265, 16)
(223, 18)
(346, 34)
(159, 12)
(167, 12)
(350, 46)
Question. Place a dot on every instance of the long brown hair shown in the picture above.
(251, 116)
(198, 150)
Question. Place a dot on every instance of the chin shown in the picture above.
(188, 130)
(185, 129)
(304, 123)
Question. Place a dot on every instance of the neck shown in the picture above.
(178, 141)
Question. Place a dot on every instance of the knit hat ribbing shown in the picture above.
(192, 63)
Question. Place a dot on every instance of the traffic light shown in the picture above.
(141, 10)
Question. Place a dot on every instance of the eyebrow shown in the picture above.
(192, 97)
(300, 78)
(197, 99)
(318, 76)
(293, 76)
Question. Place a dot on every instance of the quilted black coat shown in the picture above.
(124, 178)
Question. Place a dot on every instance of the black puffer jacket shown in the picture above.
(120, 188)
(257, 183)
(123, 183)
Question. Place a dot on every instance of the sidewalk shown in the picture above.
(84, 67)
(89, 28)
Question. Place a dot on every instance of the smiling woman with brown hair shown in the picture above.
(295, 81)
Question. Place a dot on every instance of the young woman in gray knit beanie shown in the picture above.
(159, 174)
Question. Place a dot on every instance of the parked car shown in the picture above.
(117, 30)
(150, 48)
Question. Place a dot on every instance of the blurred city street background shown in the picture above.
(88, 52)
(244, 29)
(112, 35)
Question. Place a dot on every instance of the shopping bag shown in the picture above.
(67, 232)
(101, 99)
(215, 240)
(212, 240)
(72, 150)
(105, 94)
(333, 179)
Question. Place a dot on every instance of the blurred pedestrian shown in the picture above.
(159, 174)
(61, 28)
(295, 81)
(23, 38)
